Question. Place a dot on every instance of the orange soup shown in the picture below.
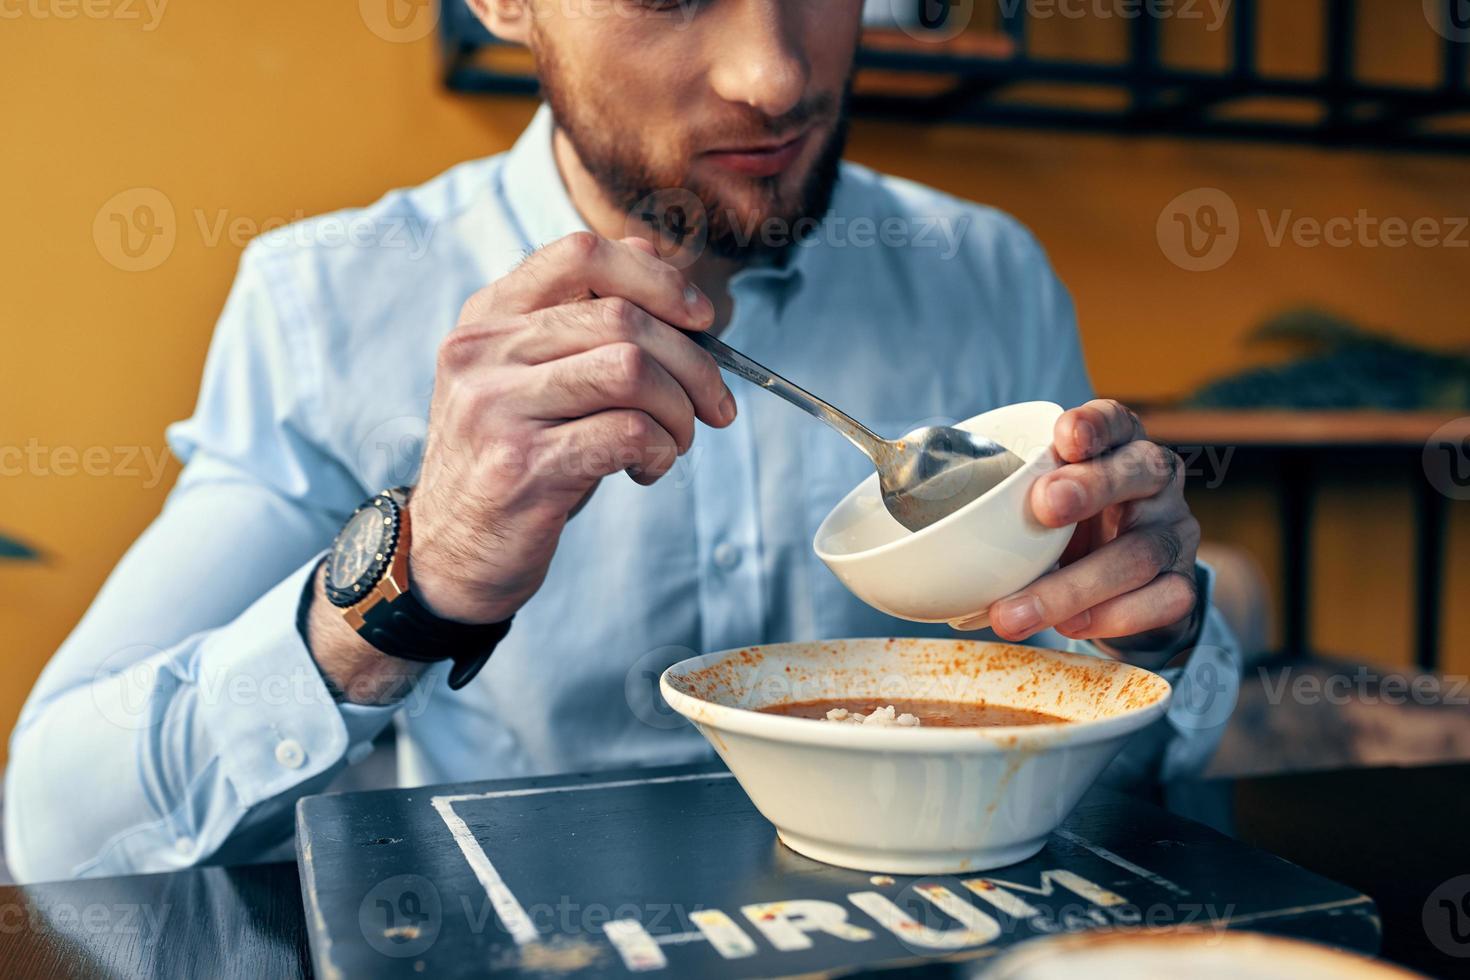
(935, 714)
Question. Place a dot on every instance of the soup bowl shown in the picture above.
(924, 800)
(954, 569)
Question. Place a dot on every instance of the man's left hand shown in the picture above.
(1128, 575)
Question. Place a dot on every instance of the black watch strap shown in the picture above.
(407, 629)
(381, 606)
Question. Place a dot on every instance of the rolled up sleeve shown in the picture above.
(1206, 688)
(1206, 685)
(184, 715)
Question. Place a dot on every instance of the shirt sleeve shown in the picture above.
(1205, 689)
(184, 713)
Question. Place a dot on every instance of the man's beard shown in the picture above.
(762, 232)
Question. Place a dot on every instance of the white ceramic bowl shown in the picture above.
(914, 800)
(953, 570)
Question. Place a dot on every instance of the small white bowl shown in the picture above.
(914, 800)
(953, 570)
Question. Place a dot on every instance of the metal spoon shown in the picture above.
(925, 476)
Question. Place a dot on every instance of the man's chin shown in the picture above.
(757, 233)
(762, 220)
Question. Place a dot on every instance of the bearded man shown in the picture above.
(407, 409)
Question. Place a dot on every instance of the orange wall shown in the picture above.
(1153, 330)
(259, 113)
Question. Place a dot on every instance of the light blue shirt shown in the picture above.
(182, 719)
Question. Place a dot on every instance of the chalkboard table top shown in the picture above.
(672, 872)
(1396, 834)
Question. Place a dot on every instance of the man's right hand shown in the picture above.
(570, 368)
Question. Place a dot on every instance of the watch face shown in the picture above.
(361, 551)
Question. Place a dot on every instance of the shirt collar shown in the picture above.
(537, 198)
(534, 191)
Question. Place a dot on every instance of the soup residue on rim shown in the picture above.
(930, 713)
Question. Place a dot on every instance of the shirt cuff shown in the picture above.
(1206, 688)
(265, 706)
(1205, 679)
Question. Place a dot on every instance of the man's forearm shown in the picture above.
(354, 669)
(188, 741)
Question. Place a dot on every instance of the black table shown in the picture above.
(1396, 834)
(1401, 835)
(212, 922)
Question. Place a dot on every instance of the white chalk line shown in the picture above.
(510, 911)
(1121, 862)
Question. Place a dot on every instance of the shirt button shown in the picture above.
(726, 555)
(184, 845)
(290, 754)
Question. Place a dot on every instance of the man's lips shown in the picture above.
(759, 160)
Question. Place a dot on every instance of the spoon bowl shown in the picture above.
(936, 470)
(953, 571)
(926, 476)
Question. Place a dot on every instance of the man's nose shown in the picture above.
(758, 61)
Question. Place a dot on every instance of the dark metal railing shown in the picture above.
(1161, 99)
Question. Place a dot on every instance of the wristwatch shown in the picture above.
(367, 578)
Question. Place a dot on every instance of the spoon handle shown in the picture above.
(732, 360)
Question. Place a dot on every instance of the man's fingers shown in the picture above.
(1077, 491)
(1163, 602)
(563, 331)
(1124, 564)
(613, 376)
(641, 244)
(618, 439)
(583, 265)
(1094, 428)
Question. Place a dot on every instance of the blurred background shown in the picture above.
(1260, 208)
